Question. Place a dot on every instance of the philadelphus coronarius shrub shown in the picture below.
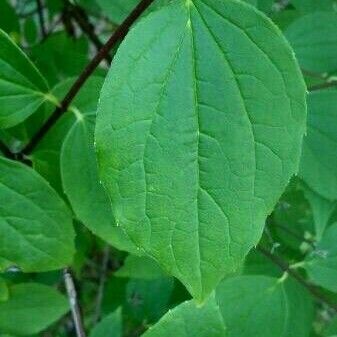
(168, 168)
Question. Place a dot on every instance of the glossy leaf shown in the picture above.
(22, 87)
(36, 231)
(321, 265)
(318, 166)
(31, 308)
(199, 130)
(314, 41)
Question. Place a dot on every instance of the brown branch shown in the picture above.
(284, 266)
(82, 19)
(73, 302)
(119, 34)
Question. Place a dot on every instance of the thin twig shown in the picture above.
(119, 34)
(295, 235)
(325, 85)
(103, 275)
(41, 18)
(82, 19)
(284, 266)
(73, 301)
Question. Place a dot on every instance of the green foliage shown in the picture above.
(181, 154)
(203, 203)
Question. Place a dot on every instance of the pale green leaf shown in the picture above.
(318, 167)
(22, 87)
(314, 40)
(36, 231)
(263, 306)
(31, 308)
(321, 265)
(200, 124)
(3, 290)
(109, 326)
(141, 267)
(190, 320)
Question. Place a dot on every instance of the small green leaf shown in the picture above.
(264, 306)
(200, 126)
(22, 87)
(36, 231)
(318, 167)
(314, 40)
(141, 267)
(30, 309)
(321, 265)
(109, 326)
(3, 290)
(190, 320)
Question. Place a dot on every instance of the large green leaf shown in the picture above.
(263, 306)
(321, 265)
(22, 87)
(200, 124)
(189, 320)
(314, 40)
(36, 231)
(109, 326)
(318, 166)
(31, 308)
